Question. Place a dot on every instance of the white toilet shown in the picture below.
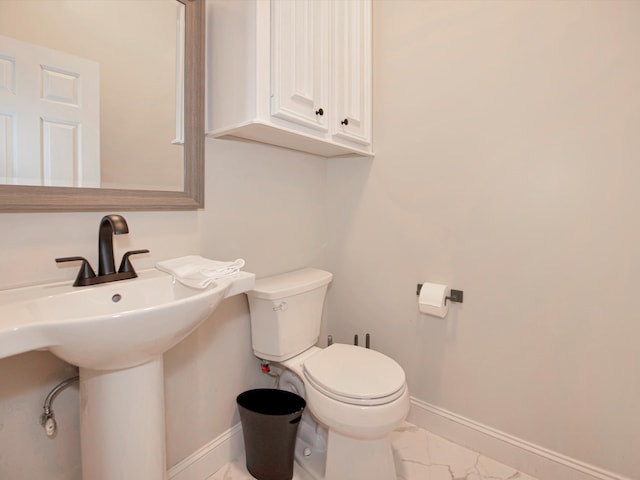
(358, 394)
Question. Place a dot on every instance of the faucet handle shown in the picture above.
(86, 272)
(125, 264)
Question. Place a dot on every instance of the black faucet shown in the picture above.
(110, 225)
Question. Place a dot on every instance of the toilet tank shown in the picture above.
(286, 311)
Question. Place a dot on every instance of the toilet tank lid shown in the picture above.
(290, 283)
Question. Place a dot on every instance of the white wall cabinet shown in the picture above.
(291, 73)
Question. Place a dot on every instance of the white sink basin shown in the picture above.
(116, 333)
(109, 326)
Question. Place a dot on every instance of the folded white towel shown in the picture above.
(198, 272)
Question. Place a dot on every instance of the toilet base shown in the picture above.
(311, 448)
(356, 458)
(322, 455)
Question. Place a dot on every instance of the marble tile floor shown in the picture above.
(419, 455)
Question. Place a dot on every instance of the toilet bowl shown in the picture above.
(355, 391)
(358, 395)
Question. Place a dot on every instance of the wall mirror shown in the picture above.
(113, 92)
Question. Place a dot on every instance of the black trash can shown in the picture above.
(270, 420)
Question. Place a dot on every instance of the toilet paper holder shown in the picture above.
(455, 296)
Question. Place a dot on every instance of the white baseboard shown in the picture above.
(207, 460)
(526, 457)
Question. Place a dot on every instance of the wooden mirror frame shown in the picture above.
(14, 198)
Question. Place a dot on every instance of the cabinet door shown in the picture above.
(351, 88)
(299, 56)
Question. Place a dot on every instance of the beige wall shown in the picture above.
(507, 144)
(268, 206)
(506, 161)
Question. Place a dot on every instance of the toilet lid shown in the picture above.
(355, 375)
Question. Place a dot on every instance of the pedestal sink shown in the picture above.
(116, 333)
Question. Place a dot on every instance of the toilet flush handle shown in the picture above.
(282, 306)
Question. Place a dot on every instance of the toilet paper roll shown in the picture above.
(432, 299)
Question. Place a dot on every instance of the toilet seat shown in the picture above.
(355, 375)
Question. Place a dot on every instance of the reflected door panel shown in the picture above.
(50, 122)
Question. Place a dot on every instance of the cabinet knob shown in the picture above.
(345, 122)
(320, 112)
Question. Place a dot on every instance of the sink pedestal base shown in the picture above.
(122, 429)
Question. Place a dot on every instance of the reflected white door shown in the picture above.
(49, 117)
